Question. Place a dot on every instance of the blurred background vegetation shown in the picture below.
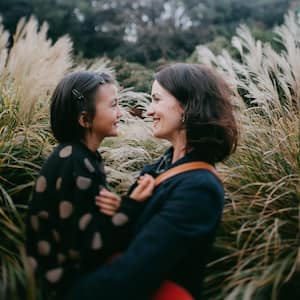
(255, 44)
(147, 32)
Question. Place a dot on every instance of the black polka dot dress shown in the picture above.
(66, 234)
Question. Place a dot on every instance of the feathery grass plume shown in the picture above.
(27, 76)
(4, 36)
(35, 65)
(259, 243)
(99, 65)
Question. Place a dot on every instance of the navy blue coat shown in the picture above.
(172, 240)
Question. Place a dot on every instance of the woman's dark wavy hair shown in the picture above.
(75, 93)
(208, 113)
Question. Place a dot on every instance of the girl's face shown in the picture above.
(166, 113)
(107, 112)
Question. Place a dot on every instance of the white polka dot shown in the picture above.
(74, 254)
(88, 165)
(120, 219)
(43, 214)
(34, 220)
(65, 209)
(58, 183)
(32, 263)
(56, 235)
(44, 248)
(54, 275)
(97, 241)
(83, 183)
(65, 152)
(41, 184)
(84, 221)
(61, 258)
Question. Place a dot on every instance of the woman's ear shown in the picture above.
(84, 120)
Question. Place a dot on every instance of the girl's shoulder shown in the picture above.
(68, 156)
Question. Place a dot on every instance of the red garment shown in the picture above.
(172, 291)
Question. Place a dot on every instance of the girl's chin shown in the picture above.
(115, 133)
(112, 133)
(157, 134)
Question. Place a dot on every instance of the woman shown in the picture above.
(174, 234)
(67, 236)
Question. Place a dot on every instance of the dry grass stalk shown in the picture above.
(261, 225)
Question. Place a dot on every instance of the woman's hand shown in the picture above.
(108, 202)
(144, 189)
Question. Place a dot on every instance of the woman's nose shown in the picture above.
(119, 113)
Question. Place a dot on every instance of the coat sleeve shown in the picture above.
(189, 215)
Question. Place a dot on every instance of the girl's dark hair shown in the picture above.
(75, 93)
(208, 113)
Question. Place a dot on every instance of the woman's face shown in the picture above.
(107, 112)
(166, 113)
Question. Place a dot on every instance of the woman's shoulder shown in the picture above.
(195, 182)
(203, 176)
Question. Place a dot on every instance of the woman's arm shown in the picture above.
(187, 217)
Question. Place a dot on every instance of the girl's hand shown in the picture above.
(108, 202)
(144, 189)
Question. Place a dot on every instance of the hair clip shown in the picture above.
(78, 95)
(99, 78)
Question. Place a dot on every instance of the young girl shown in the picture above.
(67, 235)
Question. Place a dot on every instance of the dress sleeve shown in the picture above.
(188, 216)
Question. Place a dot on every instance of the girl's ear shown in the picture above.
(84, 120)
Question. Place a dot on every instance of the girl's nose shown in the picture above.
(150, 110)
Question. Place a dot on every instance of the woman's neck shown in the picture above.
(179, 145)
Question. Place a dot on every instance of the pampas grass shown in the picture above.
(258, 244)
(259, 240)
(28, 75)
(35, 65)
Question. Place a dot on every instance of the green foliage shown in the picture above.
(132, 75)
(144, 31)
